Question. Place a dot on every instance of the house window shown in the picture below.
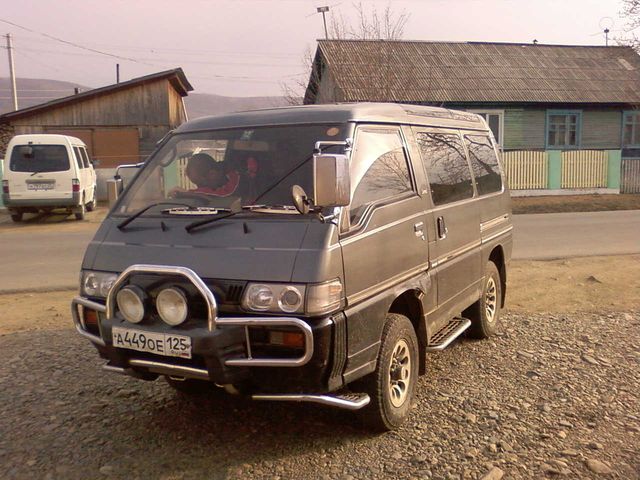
(563, 128)
(631, 129)
(495, 120)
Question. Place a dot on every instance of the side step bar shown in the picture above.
(349, 401)
(447, 334)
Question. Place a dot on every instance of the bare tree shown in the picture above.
(369, 25)
(631, 12)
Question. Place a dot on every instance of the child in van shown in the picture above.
(209, 177)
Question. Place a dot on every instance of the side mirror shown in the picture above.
(331, 182)
(114, 189)
(95, 163)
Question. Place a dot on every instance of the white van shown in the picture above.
(43, 172)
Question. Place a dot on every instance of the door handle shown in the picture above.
(442, 228)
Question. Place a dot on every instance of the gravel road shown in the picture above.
(553, 395)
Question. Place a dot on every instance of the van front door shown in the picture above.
(456, 254)
(383, 235)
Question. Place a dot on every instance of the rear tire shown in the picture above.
(92, 204)
(392, 385)
(80, 213)
(16, 216)
(485, 313)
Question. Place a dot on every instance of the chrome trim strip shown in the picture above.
(498, 234)
(270, 322)
(169, 369)
(343, 403)
(212, 309)
(360, 236)
(79, 323)
(120, 370)
(455, 253)
(455, 334)
(493, 222)
(391, 282)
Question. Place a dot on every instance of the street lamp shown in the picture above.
(324, 10)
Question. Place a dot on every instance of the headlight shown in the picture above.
(130, 302)
(274, 298)
(97, 284)
(172, 306)
(324, 297)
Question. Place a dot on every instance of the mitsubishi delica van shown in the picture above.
(303, 254)
(46, 172)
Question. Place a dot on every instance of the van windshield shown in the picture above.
(231, 168)
(39, 158)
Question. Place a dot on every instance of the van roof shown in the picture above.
(47, 138)
(340, 113)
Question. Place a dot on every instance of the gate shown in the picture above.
(630, 175)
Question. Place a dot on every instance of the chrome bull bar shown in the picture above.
(213, 321)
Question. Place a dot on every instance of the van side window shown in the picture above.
(78, 156)
(484, 164)
(85, 157)
(387, 174)
(447, 167)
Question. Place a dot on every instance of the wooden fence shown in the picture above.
(584, 169)
(526, 170)
(630, 175)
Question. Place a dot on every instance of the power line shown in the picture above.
(75, 44)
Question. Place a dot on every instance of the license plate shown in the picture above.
(159, 343)
(40, 186)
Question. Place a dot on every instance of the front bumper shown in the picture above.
(225, 355)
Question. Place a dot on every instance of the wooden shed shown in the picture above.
(120, 123)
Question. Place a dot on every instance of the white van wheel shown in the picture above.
(16, 216)
(92, 204)
(80, 212)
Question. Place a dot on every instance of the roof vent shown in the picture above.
(625, 64)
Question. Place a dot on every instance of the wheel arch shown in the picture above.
(409, 304)
(497, 256)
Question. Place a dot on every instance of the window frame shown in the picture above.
(636, 127)
(349, 228)
(578, 114)
(493, 111)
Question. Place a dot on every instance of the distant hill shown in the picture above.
(203, 104)
(32, 91)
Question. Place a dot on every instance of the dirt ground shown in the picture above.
(575, 203)
(591, 284)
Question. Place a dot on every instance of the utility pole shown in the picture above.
(117, 73)
(324, 10)
(12, 72)
(606, 37)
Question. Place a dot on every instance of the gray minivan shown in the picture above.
(313, 253)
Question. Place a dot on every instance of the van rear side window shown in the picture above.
(447, 167)
(39, 158)
(484, 164)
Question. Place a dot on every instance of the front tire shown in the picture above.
(485, 313)
(16, 216)
(392, 385)
(92, 204)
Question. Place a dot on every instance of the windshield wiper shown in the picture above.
(198, 223)
(135, 215)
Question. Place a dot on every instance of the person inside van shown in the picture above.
(209, 177)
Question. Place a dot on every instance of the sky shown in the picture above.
(253, 47)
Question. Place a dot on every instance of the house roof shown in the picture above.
(176, 77)
(470, 72)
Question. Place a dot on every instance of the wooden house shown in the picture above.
(565, 117)
(120, 123)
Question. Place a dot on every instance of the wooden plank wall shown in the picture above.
(584, 169)
(526, 170)
(524, 129)
(601, 129)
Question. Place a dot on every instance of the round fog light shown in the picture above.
(290, 299)
(172, 307)
(130, 303)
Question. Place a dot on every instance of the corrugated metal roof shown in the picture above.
(176, 77)
(408, 71)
